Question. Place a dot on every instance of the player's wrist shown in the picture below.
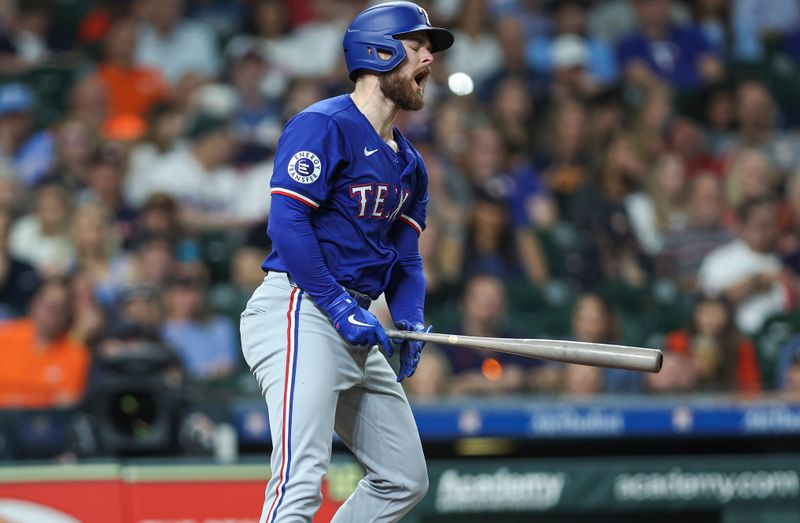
(410, 325)
(339, 306)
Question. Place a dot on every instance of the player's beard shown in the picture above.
(402, 91)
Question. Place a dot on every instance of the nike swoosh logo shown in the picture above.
(367, 152)
(352, 319)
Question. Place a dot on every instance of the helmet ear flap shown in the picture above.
(381, 53)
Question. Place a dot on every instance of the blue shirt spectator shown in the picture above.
(673, 58)
(661, 51)
(29, 152)
(206, 349)
(752, 20)
(600, 61)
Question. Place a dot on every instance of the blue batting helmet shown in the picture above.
(376, 29)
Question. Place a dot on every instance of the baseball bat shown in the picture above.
(595, 354)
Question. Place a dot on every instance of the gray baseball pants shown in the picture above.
(315, 383)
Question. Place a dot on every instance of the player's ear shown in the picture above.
(382, 53)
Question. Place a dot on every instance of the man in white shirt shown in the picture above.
(211, 194)
(174, 46)
(747, 270)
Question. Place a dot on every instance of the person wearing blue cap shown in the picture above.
(28, 151)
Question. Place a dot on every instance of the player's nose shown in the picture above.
(426, 56)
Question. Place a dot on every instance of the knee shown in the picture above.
(416, 484)
(421, 486)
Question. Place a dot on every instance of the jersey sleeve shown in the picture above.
(415, 213)
(309, 152)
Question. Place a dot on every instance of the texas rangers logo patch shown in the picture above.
(305, 167)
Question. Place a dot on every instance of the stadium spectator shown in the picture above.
(323, 33)
(713, 19)
(755, 23)
(662, 52)
(718, 117)
(267, 34)
(88, 315)
(477, 50)
(27, 43)
(593, 321)
(612, 20)
(757, 118)
(789, 223)
(104, 178)
(42, 237)
(40, 366)
(131, 89)
(30, 152)
(684, 248)
(749, 176)
(142, 304)
(685, 138)
(512, 41)
(747, 270)
(606, 120)
(790, 385)
(230, 297)
(97, 254)
(547, 52)
(18, 280)
(87, 102)
(257, 118)
(206, 343)
(562, 153)
(158, 217)
(609, 248)
(650, 121)
(720, 359)
(12, 196)
(665, 190)
(152, 259)
(513, 114)
(211, 195)
(787, 368)
(166, 127)
(581, 380)
(75, 143)
(449, 129)
(175, 46)
(431, 381)
(484, 313)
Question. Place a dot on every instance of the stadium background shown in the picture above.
(618, 171)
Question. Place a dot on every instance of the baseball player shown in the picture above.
(348, 204)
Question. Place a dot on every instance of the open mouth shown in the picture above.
(422, 78)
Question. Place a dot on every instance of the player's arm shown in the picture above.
(304, 167)
(405, 293)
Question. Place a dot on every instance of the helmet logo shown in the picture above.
(425, 14)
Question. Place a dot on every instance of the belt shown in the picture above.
(363, 300)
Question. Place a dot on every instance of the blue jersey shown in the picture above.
(674, 59)
(331, 159)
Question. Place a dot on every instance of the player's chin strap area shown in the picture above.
(363, 300)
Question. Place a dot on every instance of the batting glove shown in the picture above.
(356, 325)
(409, 349)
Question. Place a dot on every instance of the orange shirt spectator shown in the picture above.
(131, 89)
(40, 366)
(747, 375)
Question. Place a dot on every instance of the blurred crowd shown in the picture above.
(617, 171)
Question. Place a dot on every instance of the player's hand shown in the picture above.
(409, 349)
(356, 325)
